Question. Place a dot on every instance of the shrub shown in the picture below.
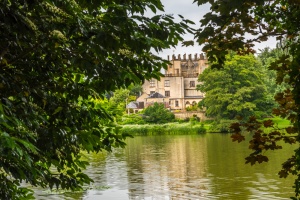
(132, 119)
(157, 113)
(201, 129)
(192, 108)
(221, 126)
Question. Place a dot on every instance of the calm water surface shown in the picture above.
(206, 166)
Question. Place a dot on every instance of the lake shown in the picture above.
(208, 166)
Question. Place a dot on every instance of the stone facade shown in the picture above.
(178, 85)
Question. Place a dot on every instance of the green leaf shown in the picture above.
(57, 110)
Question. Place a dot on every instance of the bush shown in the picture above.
(187, 119)
(132, 119)
(192, 108)
(158, 114)
(221, 126)
(179, 120)
(201, 129)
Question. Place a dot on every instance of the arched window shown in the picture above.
(187, 104)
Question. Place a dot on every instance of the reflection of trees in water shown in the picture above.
(184, 167)
(166, 166)
(189, 166)
(108, 169)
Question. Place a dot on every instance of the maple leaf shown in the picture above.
(283, 174)
(268, 123)
(290, 140)
(291, 129)
(252, 119)
(250, 159)
(235, 127)
(237, 137)
(262, 158)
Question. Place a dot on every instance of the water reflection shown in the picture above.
(182, 167)
(168, 167)
(233, 179)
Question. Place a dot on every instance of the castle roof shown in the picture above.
(135, 105)
(156, 95)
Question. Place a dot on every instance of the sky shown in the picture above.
(195, 13)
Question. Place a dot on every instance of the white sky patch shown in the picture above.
(195, 13)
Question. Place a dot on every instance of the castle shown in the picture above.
(177, 88)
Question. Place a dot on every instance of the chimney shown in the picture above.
(201, 56)
(196, 56)
(190, 56)
(184, 56)
(179, 57)
(168, 57)
(173, 57)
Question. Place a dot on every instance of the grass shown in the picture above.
(186, 128)
(174, 128)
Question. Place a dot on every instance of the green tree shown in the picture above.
(119, 98)
(157, 113)
(226, 28)
(267, 56)
(235, 90)
(135, 89)
(56, 58)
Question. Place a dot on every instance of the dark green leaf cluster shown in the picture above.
(229, 24)
(228, 27)
(57, 57)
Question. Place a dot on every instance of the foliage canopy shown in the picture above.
(57, 57)
(235, 90)
(227, 27)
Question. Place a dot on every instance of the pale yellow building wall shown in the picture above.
(184, 115)
(142, 97)
(189, 90)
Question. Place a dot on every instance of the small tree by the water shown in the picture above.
(157, 113)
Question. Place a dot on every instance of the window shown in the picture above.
(167, 83)
(152, 92)
(152, 83)
(167, 93)
(176, 103)
(192, 83)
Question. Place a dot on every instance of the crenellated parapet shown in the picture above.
(185, 57)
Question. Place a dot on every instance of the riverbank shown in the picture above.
(188, 128)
